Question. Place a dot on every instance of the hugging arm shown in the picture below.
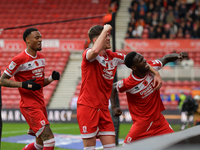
(116, 111)
(157, 78)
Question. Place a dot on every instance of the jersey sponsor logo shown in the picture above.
(84, 129)
(108, 74)
(148, 90)
(12, 65)
(120, 84)
(38, 72)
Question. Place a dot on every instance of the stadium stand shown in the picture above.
(20, 12)
(54, 61)
(164, 19)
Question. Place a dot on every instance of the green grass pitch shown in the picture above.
(14, 129)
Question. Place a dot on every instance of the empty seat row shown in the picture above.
(19, 14)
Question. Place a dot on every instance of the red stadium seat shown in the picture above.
(48, 12)
(186, 83)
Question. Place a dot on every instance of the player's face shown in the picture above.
(140, 63)
(107, 41)
(35, 41)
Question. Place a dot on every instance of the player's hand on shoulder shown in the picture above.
(31, 85)
(107, 27)
(55, 75)
(183, 55)
(157, 81)
(117, 111)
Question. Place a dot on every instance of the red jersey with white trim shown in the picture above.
(97, 78)
(25, 67)
(144, 101)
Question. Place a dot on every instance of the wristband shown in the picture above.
(50, 79)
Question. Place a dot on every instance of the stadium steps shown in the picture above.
(122, 19)
(67, 84)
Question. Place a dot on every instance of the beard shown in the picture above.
(39, 49)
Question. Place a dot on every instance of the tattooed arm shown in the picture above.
(5, 81)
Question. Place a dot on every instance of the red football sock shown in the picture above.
(49, 144)
(33, 146)
(30, 147)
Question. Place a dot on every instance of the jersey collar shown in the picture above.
(30, 55)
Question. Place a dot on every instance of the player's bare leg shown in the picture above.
(48, 138)
(89, 143)
(108, 142)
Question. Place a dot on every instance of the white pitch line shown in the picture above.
(23, 131)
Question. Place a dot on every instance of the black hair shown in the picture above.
(95, 31)
(27, 32)
(129, 59)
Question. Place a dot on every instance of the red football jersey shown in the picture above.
(144, 101)
(97, 78)
(25, 67)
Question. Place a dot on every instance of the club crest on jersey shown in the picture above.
(120, 83)
(43, 122)
(129, 139)
(12, 65)
(43, 62)
(84, 129)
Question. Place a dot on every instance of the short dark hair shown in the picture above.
(27, 32)
(129, 59)
(95, 31)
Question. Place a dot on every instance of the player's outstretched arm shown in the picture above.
(173, 57)
(116, 111)
(55, 76)
(30, 84)
(157, 78)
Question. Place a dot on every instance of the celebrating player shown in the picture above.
(98, 70)
(144, 102)
(28, 68)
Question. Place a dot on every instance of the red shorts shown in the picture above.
(140, 130)
(36, 118)
(94, 122)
